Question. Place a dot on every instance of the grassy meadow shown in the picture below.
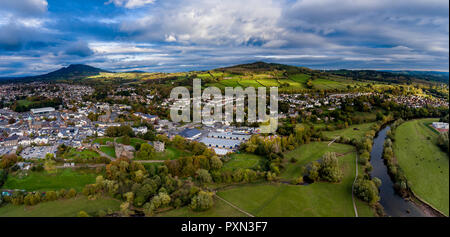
(243, 160)
(85, 154)
(425, 165)
(354, 131)
(109, 150)
(307, 153)
(317, 199)
(45, 181)
(277, 199)
(220, 209)
(103, 140)
(170, 153)
(61, 208)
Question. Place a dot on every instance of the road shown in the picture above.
(80, 166)
(149, 161)
(235, 207)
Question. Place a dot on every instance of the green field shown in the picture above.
(61, 208)
(109, 150)
(425, 165)
(170, 153)
(317, 199)
(220, 209)
(44, 181)
(357, 131)
(293, 83)
(273, 200)
(250, 82)
(269, 82)
(296, 81)
(24, 103)
(85, 154)
(281, 200)
(103, 140)
(324, 84)
(300, 78)
(244, 161)
(307, 153)
(133, 141)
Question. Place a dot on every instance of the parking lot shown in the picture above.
(38, 152)
(7, 150)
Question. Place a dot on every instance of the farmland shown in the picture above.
(423, 162)
(294, 81)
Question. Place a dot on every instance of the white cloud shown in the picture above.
(121, 47)
(209, 22)
(130, 3)
(170, 38)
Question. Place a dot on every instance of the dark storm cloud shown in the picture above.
(80, 49)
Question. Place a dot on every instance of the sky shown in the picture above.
(39, 36)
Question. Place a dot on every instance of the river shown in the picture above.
(393, 204)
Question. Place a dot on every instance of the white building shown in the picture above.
(43, 110)
(440, 125)
(140, 130)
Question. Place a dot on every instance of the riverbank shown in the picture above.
(393, 204)
(415, 161)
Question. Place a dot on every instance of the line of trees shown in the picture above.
(33, 198)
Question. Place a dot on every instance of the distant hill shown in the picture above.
(73, 71)
(392, 76)
(80, 71)
(426, 75)
(259, 67)
(135, 71)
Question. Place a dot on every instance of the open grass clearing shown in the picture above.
(242, 160)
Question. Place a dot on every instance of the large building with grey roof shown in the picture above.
(224, 142)
(43, 110)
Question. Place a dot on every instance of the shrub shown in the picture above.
(329, 168)
(366, 190)
(83, 214)
(203, 176)
(72, 193)
(202, 201)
